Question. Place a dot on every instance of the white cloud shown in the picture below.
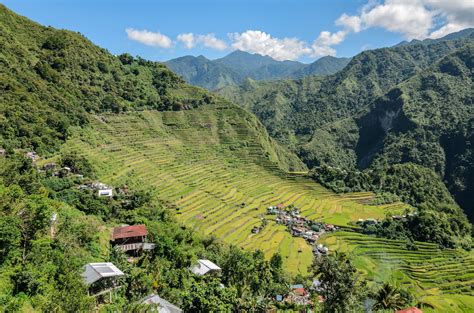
(322, 46)
(455, 11)
(446, 29)
(414, 19)
(410, 18)
(458, 14)
(256, 41)
(211, 41)
(350, 23)
(148, 38)
(190, 40)
(187, 39)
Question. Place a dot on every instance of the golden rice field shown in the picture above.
(221, 171)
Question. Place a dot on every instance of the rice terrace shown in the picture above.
(221, 175)
(237, 156)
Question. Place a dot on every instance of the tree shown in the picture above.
(208, 296)
(389, 297)
(339, 281)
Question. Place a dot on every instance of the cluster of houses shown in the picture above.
(299, 295)
(373, 221)
(300, 226)
(104, 278)
(257, 229)
(102, 189)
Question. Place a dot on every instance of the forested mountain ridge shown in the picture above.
(234, 68)
(316, 116)
(50, 79)
(60, 78)
(427, 120)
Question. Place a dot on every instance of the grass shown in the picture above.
(220, 169)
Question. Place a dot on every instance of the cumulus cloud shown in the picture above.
(322, 46)
(256, 41)
(410, 18)
(414, 19)
(155, 39)
(211, 41)
(187, 39)
(458, 14)
(350, 23)
(190, 40)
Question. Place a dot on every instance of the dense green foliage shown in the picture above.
(441, 224)
(412, 183)
(41, 261)
(50, 79)
(341, 287)
(409, 103)
(234, 68)
(440, 220)
(391, 298)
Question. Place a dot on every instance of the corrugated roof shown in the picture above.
(204, 266)
(96, 271)
(129, 231)
(164, 305)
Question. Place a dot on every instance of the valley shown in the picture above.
(214, 169)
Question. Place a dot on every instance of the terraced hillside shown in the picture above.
(445, 278)
(219, 170)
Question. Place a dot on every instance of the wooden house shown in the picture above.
(102, 278)
(131, 238)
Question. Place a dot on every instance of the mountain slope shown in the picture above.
(50, 79)
(315, 116)
(324, 66)
(60, 79)
(205, 73)
(234, 68)
(207, 162)
(428, 120)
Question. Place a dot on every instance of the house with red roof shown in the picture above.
(131, 238)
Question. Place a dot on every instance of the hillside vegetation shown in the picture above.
(409, 103)
(50, 79)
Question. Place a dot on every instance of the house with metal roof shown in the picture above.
(101, 277)
(131, 238)
(203, 267)
(105, 193)
(160, 305)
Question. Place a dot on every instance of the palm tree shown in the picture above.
(388, 297)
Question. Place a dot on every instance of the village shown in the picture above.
(104, 279)
(299, 226)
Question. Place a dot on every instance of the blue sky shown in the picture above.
(284, 29)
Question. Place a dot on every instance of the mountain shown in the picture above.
(315, 116)
(324, 66)
(205, 73)
(234, 68)
(52, 79)
(427, 120)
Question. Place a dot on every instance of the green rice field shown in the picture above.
(221, 171)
